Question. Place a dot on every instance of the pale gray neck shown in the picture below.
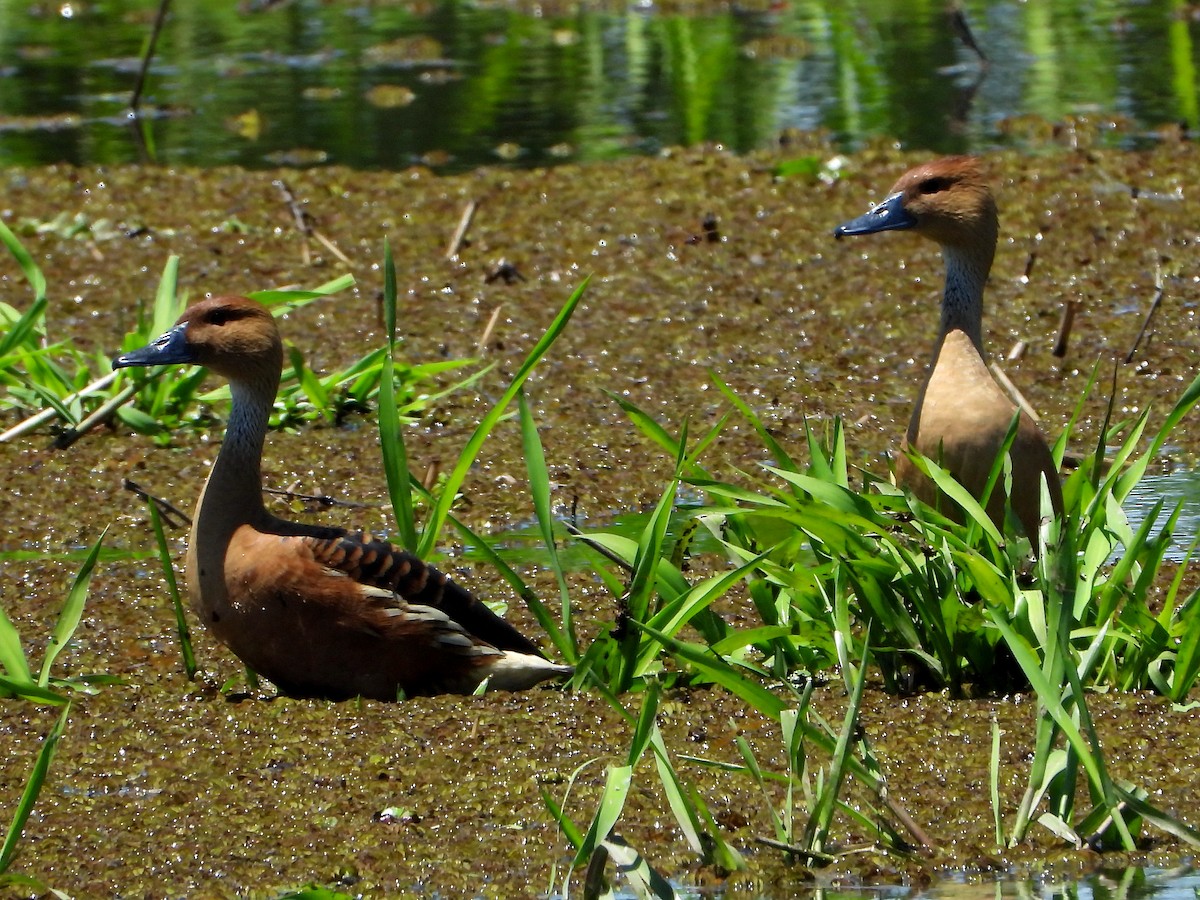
(233, 494)
(962, 300)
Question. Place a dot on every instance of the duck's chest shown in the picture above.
(960, 404)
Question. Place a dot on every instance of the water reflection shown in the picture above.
(456, 85)
(1131, 883)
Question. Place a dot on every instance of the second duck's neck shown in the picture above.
(962, 299)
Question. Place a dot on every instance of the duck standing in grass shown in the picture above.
(322, 612)
(962, 416)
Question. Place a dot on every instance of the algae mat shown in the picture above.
(162, 787)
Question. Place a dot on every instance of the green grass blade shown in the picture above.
(72, 611)
(646, 423)
(437, 516)
(530, 599)
(539, 490)
(1189, 398)
(1141, 807)
(23, 327)
(166, 307)
(33, 787)
(28, 689)
(391, 438)
(644, 728)
(569, 829)
(33, 274)
(296, 299)
(644, 879)
(816, 833)
(994, 783)
(1052, 701)
(720, 672)
(168, 570)
(12, 654)
(612, 802)
(781, 457)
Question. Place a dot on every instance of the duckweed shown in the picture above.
(162, 786)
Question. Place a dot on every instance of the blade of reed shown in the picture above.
(539, 490)
(168, 570)
(33, 787)
(612, 801)
(166, 307)
(816, 833)
(71, 612)
(441, 509)
(12, 654)
(391, 439)
(643, 878)
(32, 273)
(994, 782)
(530, 599)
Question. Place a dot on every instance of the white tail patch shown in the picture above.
(519, 671)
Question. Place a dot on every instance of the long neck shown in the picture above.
(962, 300)
(233, 494)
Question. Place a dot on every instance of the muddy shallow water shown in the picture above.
(165, 787)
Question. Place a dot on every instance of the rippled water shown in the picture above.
(1176, 489)
(455, 85)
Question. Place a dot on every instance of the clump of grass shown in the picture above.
(56, 385)
(18, 679)
(422, 537)
(947, 605)
(33, 787)
(601, 842)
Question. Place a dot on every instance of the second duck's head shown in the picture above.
(233, 336)
(948, 200)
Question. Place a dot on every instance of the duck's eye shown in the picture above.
(223, 315)
(934, 185)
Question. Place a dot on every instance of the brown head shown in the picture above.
(948, 200)
(233, 336)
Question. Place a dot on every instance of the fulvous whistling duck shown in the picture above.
(962, 416)
(322, 612)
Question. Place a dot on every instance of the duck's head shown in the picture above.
(233, 336)
(947, 200)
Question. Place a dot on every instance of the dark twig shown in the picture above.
(1064, 328)
(1158, 295)
(798, 852)
(958, 21)
(70, 435)
(322, 499)
(599, 548)
(170, 515)
(140, 84)
(304, 224)
(1029, 264)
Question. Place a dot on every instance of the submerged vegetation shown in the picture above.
(832, 598)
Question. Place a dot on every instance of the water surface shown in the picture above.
(456, 85)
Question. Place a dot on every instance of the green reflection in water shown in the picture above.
(454, 85)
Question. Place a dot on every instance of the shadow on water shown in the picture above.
(456, 85)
